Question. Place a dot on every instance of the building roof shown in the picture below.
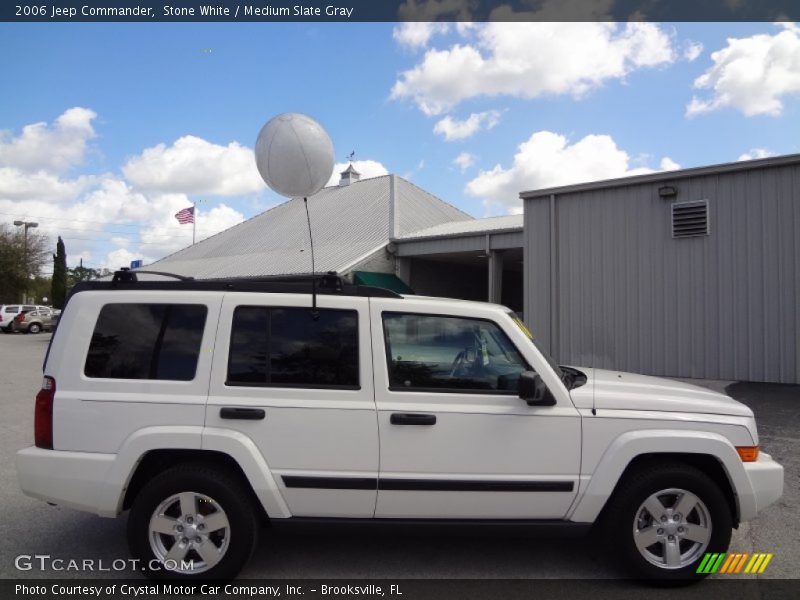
(472, 227)
(350, 169)
(348, 224)
(666, 176)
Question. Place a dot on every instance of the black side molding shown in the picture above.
(330, 483)
(247, 414)
(449, 485)
(424, 485)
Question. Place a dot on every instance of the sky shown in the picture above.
(107, 130)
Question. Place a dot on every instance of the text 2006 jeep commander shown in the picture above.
(206, 407)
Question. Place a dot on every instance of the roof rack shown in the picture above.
(125, 274)
(327, 284)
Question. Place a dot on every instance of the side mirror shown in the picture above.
(534, 391)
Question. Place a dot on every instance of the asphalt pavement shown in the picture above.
(29, 527)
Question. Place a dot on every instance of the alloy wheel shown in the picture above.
(672, 528)
(189, 533)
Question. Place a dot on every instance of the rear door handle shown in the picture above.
(248, 414)
(412, 419)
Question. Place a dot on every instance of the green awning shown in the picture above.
(388, 281)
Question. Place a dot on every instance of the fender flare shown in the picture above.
(245, 452)
(235, 444)
(631, 444)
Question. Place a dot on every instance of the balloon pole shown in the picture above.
(314, 311)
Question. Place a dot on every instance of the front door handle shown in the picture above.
(248, 414)
(412, 419)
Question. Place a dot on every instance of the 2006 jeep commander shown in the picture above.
(206, 407)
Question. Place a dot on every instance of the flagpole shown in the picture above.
(194, 220)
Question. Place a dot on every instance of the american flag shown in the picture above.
(185, 216)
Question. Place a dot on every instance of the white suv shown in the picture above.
(207, 408)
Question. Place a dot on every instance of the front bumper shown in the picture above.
(766, 485)
(75, 479)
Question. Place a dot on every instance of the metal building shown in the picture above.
(352, 225)
(690, 273)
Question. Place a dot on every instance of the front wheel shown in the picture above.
(192, 522)
(667, 517)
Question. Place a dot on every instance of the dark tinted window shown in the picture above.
(146, 341)
(288, 347)
(450, 353)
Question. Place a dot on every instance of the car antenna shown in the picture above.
(314, 311)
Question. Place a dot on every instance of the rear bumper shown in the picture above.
(77, 480)
(766, 485)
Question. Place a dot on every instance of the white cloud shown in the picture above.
(752, 75)
(16, 184)
(755, 153)
(692, 50)
(121, 257)
(161, 235)
(453, 129)
(367, 169)
(417, 34)
(106, 216)
(193, 165)
(547, 159)
(464, 161)
(667, 164)
(53, 148)
(528, 60)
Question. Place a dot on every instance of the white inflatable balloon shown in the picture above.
(294, 155)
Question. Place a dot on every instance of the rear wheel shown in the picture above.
(192, 522)
(34, 328)
(666, 518)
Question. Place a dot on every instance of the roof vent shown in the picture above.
(349, 175)
(690, 219)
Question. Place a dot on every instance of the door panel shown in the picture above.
(488, 454)
(312, 434)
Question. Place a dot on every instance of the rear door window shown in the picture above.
(288, 347)
(146, 341)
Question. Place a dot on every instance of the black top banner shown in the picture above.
(395, 10)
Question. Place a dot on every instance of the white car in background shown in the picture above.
(9, 311)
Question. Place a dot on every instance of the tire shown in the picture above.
(212, 493)
(34, 328)
(679, 540)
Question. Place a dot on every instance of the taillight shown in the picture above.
(21, 318)
(43, 414)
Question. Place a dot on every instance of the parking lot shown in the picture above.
(32, 527)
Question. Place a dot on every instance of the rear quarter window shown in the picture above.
(146, 341)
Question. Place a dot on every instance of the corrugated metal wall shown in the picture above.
(630, 297)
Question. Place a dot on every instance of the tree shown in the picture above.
(59, 287)
(40, 288)
(17, 265)
(81, 273)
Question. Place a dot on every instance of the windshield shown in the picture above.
(530, 336)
